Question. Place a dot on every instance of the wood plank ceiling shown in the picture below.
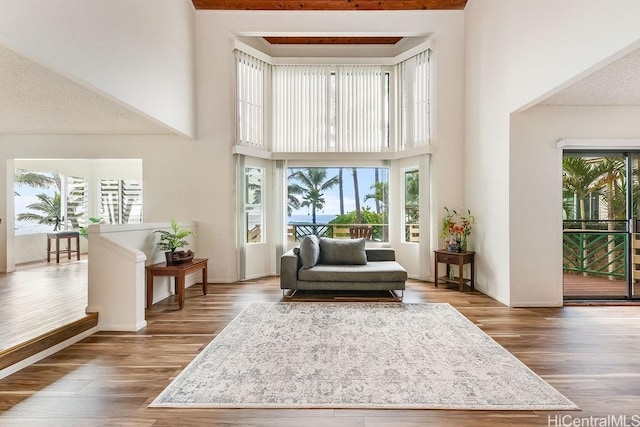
(329, 4)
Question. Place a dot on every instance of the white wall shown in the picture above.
(138, 52)
(516, 53)
(215, 82)
(536, 237)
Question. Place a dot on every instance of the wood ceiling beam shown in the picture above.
(333, 40)
(330, 4)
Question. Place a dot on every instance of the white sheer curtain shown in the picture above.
(301, 108)
(321, 108)
(361, 106)
(252, 74)
(414, 82)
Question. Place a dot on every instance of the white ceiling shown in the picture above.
(616, 84)
(36, 100)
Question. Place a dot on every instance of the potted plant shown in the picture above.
(172, 240)
(458, 226)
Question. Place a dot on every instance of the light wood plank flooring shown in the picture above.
(591, 354)
(40, 297)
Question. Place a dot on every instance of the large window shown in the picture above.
(327, 201)
(254, 178)
(332, 108)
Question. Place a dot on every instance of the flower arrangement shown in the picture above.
(457, 226)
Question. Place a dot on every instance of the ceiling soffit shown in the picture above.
(329, 4)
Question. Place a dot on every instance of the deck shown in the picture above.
(576, 285)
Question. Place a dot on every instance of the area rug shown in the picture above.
(357, 355)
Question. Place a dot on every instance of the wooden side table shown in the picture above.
(179, 271)
(455, 258)
(68, 235)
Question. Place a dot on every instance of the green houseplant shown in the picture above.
(172, 240)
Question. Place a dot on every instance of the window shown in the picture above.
(414, 81)
(120, 201)
(250, 95)
(326, 201)
(76, 203)
(333, 108)
(253, 204)
(411, 205)
(38, 201)
(320, 108)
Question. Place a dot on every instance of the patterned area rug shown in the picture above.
(357, 355)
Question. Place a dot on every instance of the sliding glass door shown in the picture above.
(601, 242)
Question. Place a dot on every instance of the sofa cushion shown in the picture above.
(381, 271)
(309, 251)
(342, 251)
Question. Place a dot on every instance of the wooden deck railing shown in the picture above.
(595, 252)
(295, 232)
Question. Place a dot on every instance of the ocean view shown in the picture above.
(306, 219)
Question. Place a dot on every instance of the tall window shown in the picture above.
(76, 203)
(415, 112)
(120, 201)
(250, 99)
(411, 205)
(254, 219)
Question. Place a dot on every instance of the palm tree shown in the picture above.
(380, 195)
(35, 179)
(612, 174)
(356, 195)
(48, 208)
(341, 188)
(313, 181)
(580, 178)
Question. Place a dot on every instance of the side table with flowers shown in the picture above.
(455, 228)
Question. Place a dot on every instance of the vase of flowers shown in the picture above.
(455, 228)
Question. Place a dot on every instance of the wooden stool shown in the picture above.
(63, 235)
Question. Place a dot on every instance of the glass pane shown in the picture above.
(253, 204)
(595, 238)
(411, 205)
(329, 201)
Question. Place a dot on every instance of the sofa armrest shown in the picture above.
(380, 254)
(289, 265)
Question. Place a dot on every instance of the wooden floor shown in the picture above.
(40, 297)
(591, 354)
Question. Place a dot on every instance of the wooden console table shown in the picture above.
(68, 235)
(454, 258)
(179, 271)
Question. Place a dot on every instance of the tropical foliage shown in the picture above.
(311, 183)
(170, 241)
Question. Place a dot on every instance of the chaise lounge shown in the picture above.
(340, 264)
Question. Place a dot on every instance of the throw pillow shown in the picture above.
(342, 251)
(309, 251)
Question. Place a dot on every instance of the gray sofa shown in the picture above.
(340, 264)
